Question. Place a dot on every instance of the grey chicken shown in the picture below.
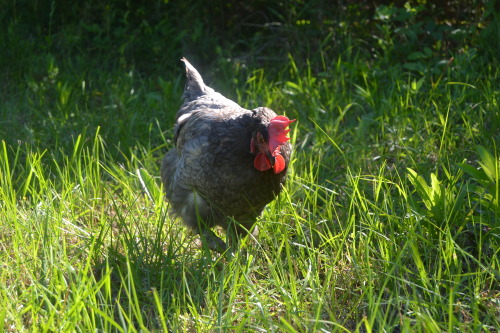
(227, 164)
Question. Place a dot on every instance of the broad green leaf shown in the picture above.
(421, 187)
(479, 175)
(488, 163)
(435, 192)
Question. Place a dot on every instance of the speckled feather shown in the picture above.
(210, 172)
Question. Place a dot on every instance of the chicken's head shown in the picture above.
(267, 145)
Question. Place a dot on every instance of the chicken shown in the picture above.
(227, 164)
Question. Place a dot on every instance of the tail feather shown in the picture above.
(195, 87)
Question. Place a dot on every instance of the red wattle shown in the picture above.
(261, 162)
(279, 164)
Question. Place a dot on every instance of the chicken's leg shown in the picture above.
(212, 241)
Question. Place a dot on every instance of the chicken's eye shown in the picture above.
(260, 139)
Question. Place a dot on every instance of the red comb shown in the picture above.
(277, 131)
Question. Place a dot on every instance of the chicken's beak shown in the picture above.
(270, 157)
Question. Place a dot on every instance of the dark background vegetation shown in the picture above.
(138, 34)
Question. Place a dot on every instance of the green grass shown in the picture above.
(389, 220)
